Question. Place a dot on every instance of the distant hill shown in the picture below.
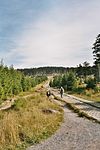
(44, 70)
(58, 70)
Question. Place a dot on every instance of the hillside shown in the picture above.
(80, 70)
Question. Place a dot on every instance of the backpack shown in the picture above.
(48, 93)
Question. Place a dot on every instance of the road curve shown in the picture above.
(74, 134)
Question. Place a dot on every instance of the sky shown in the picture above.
(35, 33)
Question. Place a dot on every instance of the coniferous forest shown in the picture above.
(12, 82)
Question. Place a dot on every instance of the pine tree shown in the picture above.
(12, 82)
(96, 54)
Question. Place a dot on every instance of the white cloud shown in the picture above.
(58, 39)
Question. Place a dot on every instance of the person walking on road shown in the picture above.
(48, 93)
(61, 91)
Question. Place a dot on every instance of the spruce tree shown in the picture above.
(96, 54)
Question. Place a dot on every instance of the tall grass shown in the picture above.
(88, 94)
(26, 124)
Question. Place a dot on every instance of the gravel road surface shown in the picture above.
(75, 133)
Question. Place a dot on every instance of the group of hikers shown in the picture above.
(48, 93)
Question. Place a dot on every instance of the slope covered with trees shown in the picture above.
(43, 70)
(82, 70)
(12, 82)
(85, 87)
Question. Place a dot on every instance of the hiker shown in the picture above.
(48, 93)
(61, 91)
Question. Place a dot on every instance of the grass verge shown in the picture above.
(89, 95)
(26, 124)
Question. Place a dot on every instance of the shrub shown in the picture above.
(79, 90)
(91, 83)
(97, 89)
(69, 81)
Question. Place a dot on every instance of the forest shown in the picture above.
(81, 69)
(12, 82)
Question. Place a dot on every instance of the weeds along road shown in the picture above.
(75, 133)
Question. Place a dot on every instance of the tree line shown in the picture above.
(83, 76)
(12, 82)
(71, 82)
(43, 70)
(81, 70)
